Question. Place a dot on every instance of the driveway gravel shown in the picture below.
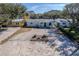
(21, 45)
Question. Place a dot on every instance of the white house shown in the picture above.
(63, 22)
(45, 23)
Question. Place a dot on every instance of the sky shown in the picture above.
(43, 7)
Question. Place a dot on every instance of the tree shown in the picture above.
(14, 10)
(72, 10)
(11, 11)
(53, 14)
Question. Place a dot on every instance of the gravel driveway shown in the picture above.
(21, 45)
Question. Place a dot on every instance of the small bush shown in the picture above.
(66, 29)
(73, 32)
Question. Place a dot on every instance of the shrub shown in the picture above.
(72, 32)
(66, 29)
(76, 37)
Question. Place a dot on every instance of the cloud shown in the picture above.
(46, 7)
(33, 7)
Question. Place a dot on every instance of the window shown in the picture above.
(31, 23)
(50, 24)
(41, 22)
(17, 23)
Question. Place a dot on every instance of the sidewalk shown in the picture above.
(7, 33)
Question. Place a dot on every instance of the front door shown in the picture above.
(44, 24)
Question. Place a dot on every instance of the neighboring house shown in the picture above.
(19, 22)
(16, 22)
(42, 23)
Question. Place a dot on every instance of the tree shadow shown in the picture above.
(67, 47)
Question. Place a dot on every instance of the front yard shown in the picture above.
(21, 44)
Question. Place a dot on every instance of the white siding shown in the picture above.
(31, 24)
(39, 23)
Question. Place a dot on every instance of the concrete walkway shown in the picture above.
(7, 33)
